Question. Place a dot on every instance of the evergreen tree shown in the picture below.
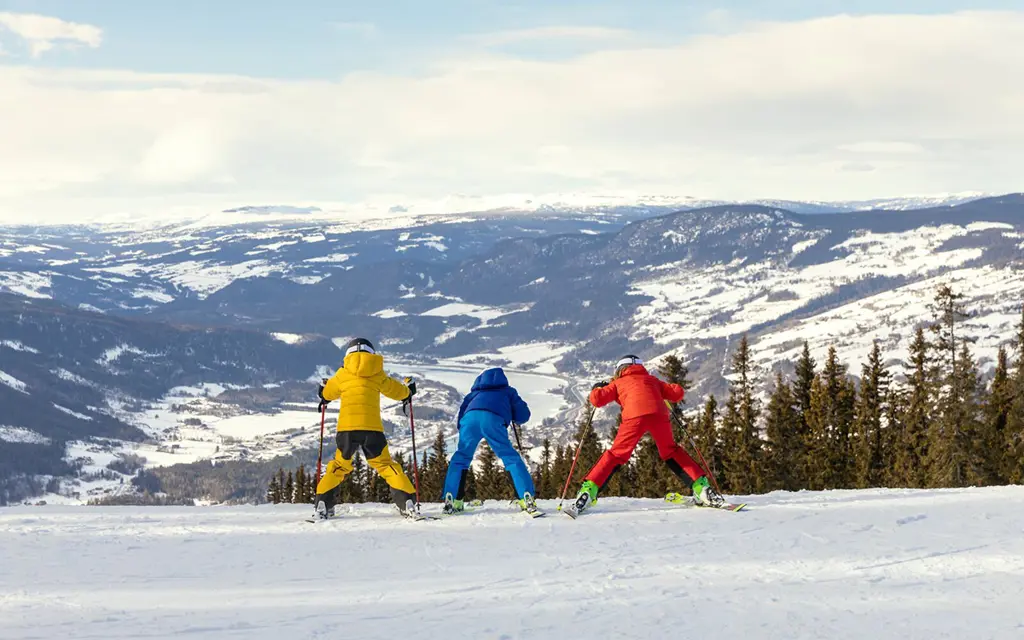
(289, 488)
(911, 443)
(872, 452)
(274, 490)
(492, 482)
(706, 437)
(1013, 461)
(950, 461)
(471, 492)
(301, 485)
(997, 412)
(782, 446)
(651, 474)
(543, 475)
(435, 467)
(621, 482)
(560, 468)
(674, 371)
(893, 433)
(830, 421)
(590, 451)
(353, 489)
(802, 380)
(743, 444)
(953, 458)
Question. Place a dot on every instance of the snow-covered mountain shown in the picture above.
(553, 296)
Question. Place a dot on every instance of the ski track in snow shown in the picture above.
(839, 565)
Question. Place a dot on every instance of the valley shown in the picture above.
(127, 348)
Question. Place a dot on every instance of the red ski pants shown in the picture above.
(629, 436)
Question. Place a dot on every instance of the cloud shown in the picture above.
(44, 33)
(786, 110)
(515, 36)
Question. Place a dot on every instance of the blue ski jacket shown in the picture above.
(491, 392)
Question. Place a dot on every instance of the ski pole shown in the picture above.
(320, 454)
(693, 443)
(519, 443)
(579, 448)
(415, 463)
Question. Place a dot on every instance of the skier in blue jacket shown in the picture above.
(486, 413)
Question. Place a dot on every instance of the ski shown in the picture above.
(319, 520)
(678, 498)
(416, 516)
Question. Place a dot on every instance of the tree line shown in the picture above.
(931, 421)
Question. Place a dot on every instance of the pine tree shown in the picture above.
(274, 490)
(802, 381)
(622, 481)
(353, 489)
(289, 488)
(949, 458)
(492, 481)
(435, 467)
(543, 475)
(872, 452)
(674, 371)
(782, 445)
(739, 426)
(911, 443)
(830, 421)
(952, 460)
(471, 492)
(997, 412)
(651, 479)
(1013, 460)
(589, 452)
(560, 468)
(301, 485)
(706, 437)
(893, 432)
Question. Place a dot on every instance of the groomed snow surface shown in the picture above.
(841, 565)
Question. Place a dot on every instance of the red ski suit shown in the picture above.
(642, 397)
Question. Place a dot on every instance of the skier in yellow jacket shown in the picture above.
(359, 383)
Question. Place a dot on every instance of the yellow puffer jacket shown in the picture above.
(359, 384)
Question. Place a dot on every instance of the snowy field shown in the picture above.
(849, 565)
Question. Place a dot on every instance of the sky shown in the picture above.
(124, 107)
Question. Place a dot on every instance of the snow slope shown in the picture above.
(840, 565)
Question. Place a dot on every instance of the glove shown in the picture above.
(405, 406)
(320, 393)
(599, 385)
(412, 386)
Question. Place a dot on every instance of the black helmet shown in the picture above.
(627, 361)
(359, 344)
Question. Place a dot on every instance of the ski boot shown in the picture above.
(586, 497)
(528, 504)
(324, 509)
(452, 506)
(704, 495)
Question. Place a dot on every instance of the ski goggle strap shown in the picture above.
(359, 347)
(628, 361)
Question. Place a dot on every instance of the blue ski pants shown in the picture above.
(475, 426)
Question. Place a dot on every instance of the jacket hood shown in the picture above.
(364, 364)
(490, 379)
(634, 370)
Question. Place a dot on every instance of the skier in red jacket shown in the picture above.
(644, 410)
